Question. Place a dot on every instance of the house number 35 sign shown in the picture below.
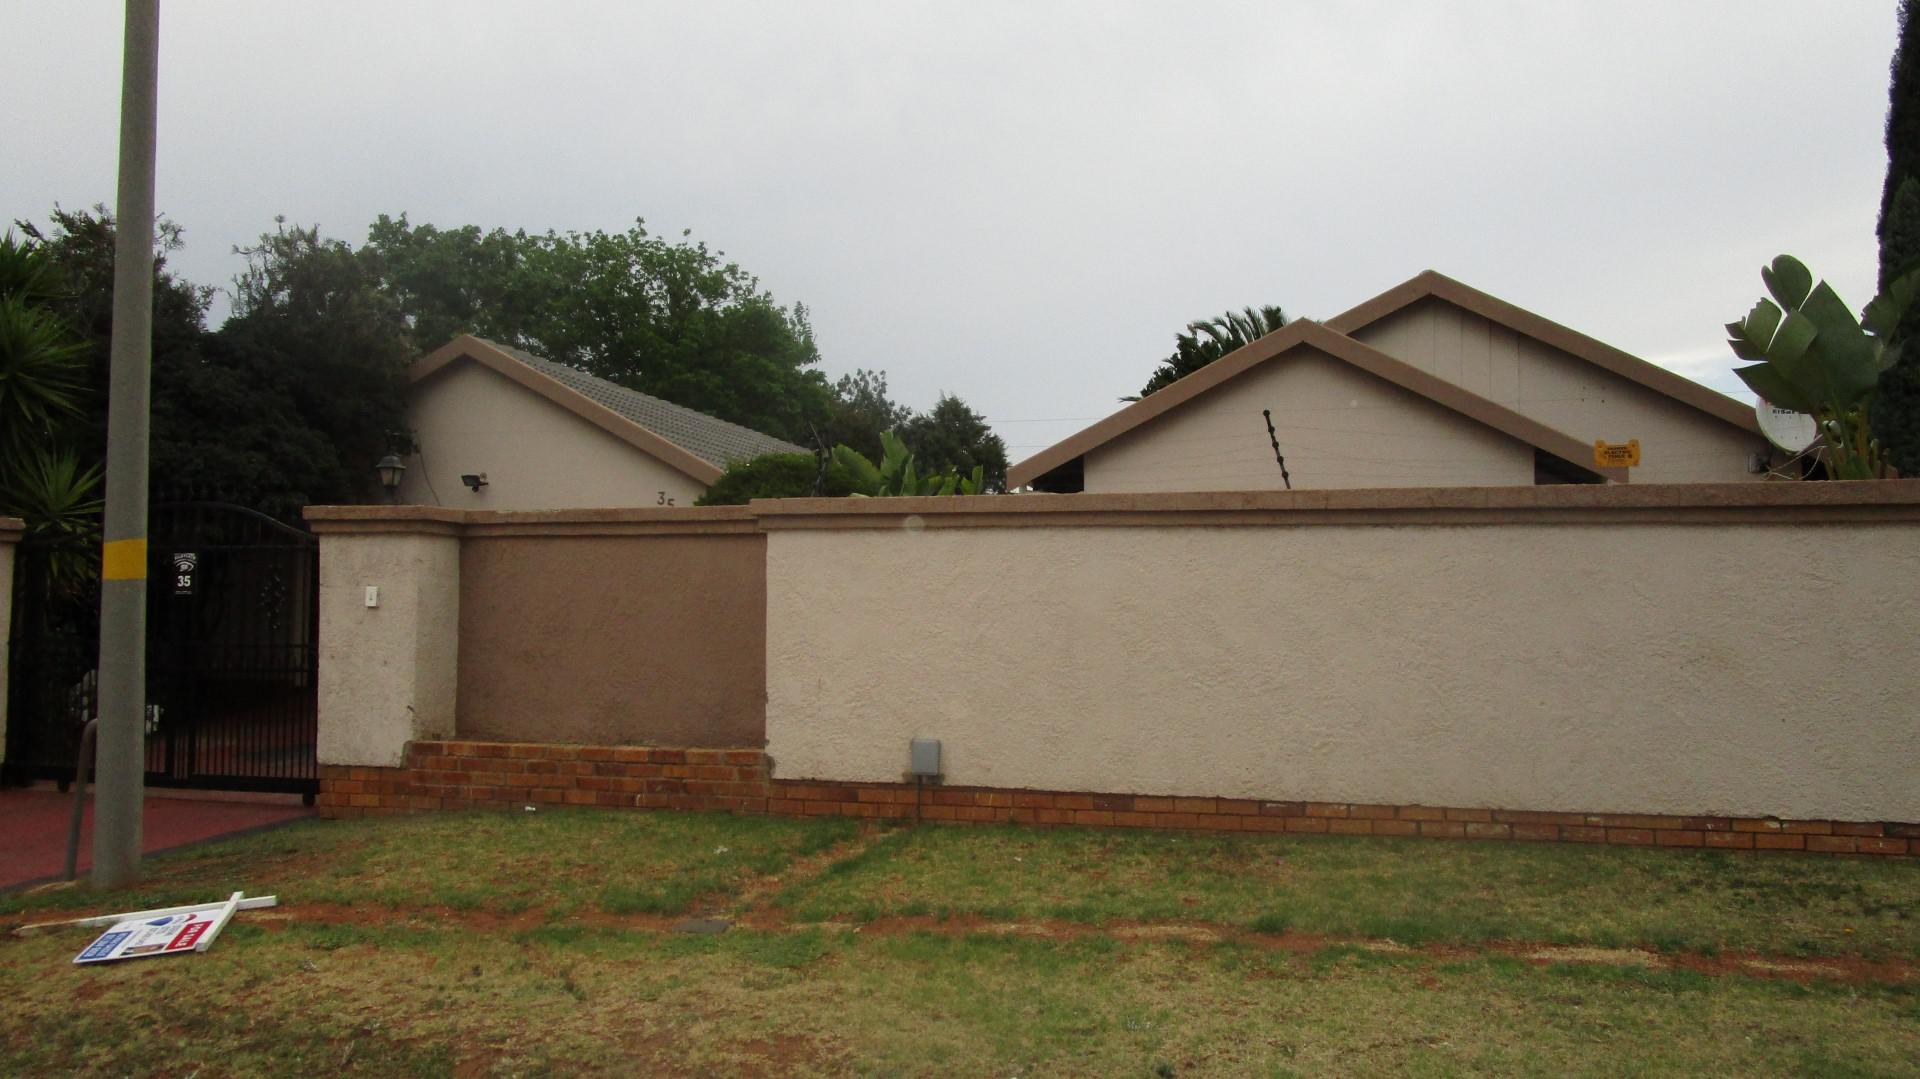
(186, 565)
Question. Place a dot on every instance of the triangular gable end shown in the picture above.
(486, 354)
(1067, 454)
(1432, 285)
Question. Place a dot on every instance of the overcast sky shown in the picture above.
(1021, 203)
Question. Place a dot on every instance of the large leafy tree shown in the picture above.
(291, 402)
(954, 438)
(669, 318)
(1896, 413)
(857, 412)
(78, 245)
(328, 349)
(1208, 340)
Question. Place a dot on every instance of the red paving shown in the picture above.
(33, 828)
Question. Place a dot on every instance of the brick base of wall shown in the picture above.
(464, 775)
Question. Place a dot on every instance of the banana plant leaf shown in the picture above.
(861, 475)
(1789, 280)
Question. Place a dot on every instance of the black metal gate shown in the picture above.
(232, 659)
(232, 650)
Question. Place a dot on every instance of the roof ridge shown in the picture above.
(1432, 284)
(689, 440)
(1332, 343)
(523, 355)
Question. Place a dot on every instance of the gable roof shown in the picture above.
(690, 442)
(1308, 334)
(1429, 284)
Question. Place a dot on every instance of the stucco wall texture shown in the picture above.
(614, 640)
(1339, 427)
(536, 455)
(387, 672)
(10, 529)
(1678, 444)
(1739, 668)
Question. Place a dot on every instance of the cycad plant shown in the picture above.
(42, 384)
(60, 502)
(42, 372)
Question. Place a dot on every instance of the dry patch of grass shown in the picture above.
(496, 944)
(300, 999)
(1413, 891)
(553, 862)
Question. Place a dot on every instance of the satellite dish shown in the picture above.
(1789, 430)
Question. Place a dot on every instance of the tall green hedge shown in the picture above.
(1896, 406)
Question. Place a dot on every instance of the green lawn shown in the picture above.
(503, 944)
(554, 862)
(1414, 892)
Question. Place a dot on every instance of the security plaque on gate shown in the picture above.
(186, 565)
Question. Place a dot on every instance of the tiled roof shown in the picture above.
(713, 440)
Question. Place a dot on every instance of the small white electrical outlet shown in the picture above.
(373, 595)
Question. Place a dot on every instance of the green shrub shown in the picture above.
(776, 475)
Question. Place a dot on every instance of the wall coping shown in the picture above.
(11, 529)
(1866, 501)
(481, 524)
(1837, 502)
(403, 520)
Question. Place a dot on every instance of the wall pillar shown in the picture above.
(389, 667)
(11, 529)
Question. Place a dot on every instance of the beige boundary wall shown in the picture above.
(609, 627)
(11, 529)
(1737, 649)
(1724, 651)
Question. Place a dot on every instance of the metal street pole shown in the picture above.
(121, 776)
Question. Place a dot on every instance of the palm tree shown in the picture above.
(1208, 340)
(42, 381)
(42, 372)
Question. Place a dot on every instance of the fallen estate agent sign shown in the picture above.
(169, 931)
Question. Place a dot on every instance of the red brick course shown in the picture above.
(463, 775)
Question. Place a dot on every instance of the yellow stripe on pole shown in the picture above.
(123, 560)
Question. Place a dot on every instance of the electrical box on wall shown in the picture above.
(373, 595)
(924, 758)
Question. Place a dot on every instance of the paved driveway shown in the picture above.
(33, 839)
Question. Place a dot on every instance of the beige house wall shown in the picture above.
(1588, 648)
(614, 639)
(388, 672)
(1338, 426)
(1678, 444)
(536, 454)
(10, 531)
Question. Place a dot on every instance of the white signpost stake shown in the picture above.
(220, 920)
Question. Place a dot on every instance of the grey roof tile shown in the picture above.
(706, 437)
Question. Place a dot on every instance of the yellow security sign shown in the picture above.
(1617, 454)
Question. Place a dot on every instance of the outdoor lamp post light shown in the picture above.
(390, 468)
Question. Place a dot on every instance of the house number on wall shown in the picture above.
(664, 500)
